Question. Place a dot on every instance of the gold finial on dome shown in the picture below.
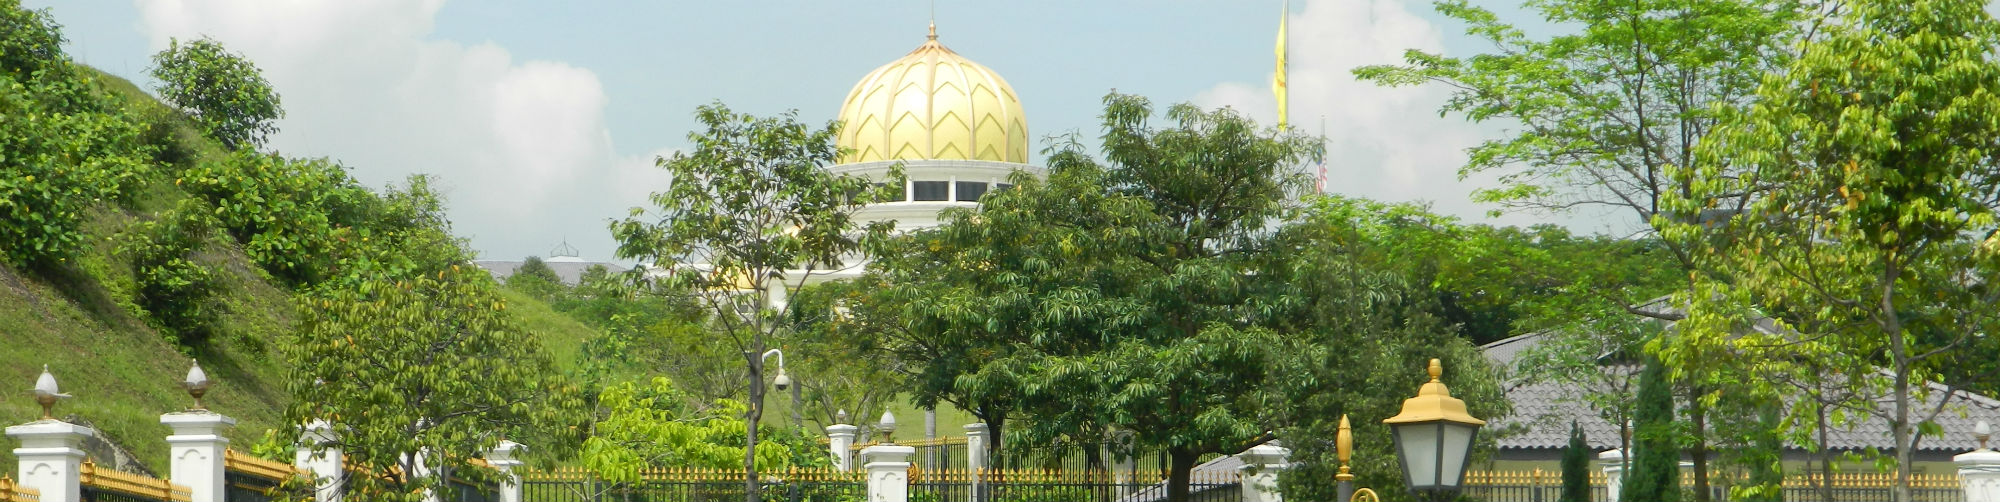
(933, 104)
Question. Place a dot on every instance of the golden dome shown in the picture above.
(933, 104)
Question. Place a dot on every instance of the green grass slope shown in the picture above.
(80, 319)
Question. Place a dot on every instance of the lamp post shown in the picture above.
(1434, 438)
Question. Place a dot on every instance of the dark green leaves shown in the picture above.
(222, 91)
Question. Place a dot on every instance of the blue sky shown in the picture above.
(542, 118)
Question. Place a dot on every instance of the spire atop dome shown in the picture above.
(933, 35)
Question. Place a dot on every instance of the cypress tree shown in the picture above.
(1655, 474)
(1576, 467)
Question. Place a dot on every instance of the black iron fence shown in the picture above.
(1546, 486)
(682, 485)
(1049, 485)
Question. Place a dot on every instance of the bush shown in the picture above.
(175, 290)
(221, 91)
(284, 212)
(63, 144)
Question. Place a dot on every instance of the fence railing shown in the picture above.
(110, 485)
(11, 492)
(1545, 486)
(1053, 485)
(692, 485)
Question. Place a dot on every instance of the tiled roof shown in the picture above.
(1543, 411)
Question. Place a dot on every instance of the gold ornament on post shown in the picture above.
(197, 384)
(1343, 444)
(47, 393)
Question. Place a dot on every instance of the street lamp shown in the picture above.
(1434, 438)
(782, 382)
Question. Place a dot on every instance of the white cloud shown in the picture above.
(1383, 143)
(520, 147)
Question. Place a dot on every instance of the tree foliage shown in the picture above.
(752, 214)
(1867, 190)
(64, 146)
(428, 370)
(1654, 475)
(1575, 467)
(222, 91)
(654, 426)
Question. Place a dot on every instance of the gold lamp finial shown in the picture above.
(1434, 402)
(1344, 448)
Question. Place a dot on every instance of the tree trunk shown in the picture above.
(1178, 478)
(1825, 456)
(1899, 357)
(750, 418)
(1699, 452)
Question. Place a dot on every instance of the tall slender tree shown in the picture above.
(1576, 467)
(1655, 472)
(752, 214)
(1870, 193)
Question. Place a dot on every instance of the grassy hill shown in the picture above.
(80, 319)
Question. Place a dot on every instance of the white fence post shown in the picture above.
(888, 468)
(1261, 465)
(975, 459)
(1614, 471)
(1979, 475)
(502, 459)
(196, 451)
(1123, 463)
(324, 462)
(51, 458)
(840, 440)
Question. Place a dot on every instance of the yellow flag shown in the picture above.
(1278, 82)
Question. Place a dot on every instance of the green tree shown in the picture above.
(1575, 467)
(1868, 190)
(751, 215)
(535, 278)
(656, 426)
(222, 91)
(64, 146)
(428, 370)
(174, 287)
(1604, 111)
(1654, 475)
(1116, 294)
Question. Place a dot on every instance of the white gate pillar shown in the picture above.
(324, 461)
(51, 458)
(502, 459)
(196, 452)
(975, 459)
(888, 468)
(840, 439)
(1614, 471)
(1261, 465)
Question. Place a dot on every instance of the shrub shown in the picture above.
(221, 91)
(284, 212)
(175, 289)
